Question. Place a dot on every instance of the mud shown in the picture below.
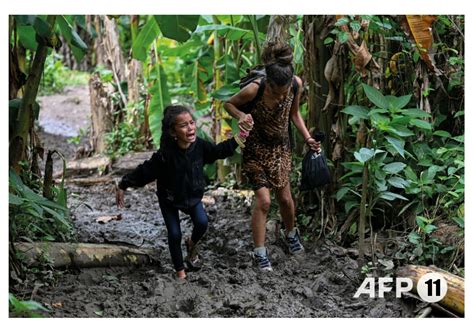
(67, 113)
(321, 283)
(64, 121)
(318, 284)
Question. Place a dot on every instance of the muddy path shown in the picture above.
(320, 283)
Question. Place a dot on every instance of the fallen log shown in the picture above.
(86, 166)
(84, 255)
(88, 181)
(454, 298)
(130, 161)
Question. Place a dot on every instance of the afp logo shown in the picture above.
(431, 287)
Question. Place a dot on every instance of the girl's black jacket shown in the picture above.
(179, 173)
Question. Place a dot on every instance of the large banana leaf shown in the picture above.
(77, 45)
(231, 33)
(27, 37)
(160, 98)
(177, 27)
(145, 37)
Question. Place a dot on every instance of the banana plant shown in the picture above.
(38, 33)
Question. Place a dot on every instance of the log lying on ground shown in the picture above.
(84, 255)
(130, 161)
(86, 166)
(88, 181)
(454, 299)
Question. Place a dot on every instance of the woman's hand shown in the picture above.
(315, 146)
(119, 196)
(246, 122)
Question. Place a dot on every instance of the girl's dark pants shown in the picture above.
(171, 217)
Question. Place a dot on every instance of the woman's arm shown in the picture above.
(247, 94)
(298, 120)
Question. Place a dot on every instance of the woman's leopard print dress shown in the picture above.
(267, 152)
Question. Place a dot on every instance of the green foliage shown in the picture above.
(77, 45)
(24, 308)
(389, 128)
(145, 38)
(421, 247)
(177, 27)
(126, 136)
(160, 98)
(52, 80)
(436, 182)
(56, 76)
(180, 62)
(35, 217)
(412, 167)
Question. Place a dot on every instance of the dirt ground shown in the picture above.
(319, 284)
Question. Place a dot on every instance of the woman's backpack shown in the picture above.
(253, 74)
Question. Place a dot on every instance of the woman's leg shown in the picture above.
(171, 217)
(259, 216)
(287, 207)
(287, 211)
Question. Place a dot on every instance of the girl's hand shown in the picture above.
(315, 146)
(246, 122)
(119, 196)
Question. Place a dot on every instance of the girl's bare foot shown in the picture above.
(181, 274)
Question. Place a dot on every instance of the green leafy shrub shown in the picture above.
(24, 308)
(126, 136)
(34, 217)
(414, 172)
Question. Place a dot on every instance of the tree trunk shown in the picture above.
(454, 299)
(84, 255)
(101, 117)
(362, 214)
(277, 31)
(221, 115)
(134, 80)
(16, 54)
(109, 54)
(113, 52)
(100, 55)
(316, 58)
(25, 119)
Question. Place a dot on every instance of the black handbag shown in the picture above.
(315, 171)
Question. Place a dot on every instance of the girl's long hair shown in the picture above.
(167, 124)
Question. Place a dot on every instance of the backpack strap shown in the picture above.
(261, 89)
(249, 106)
(294, 87)
(290, 132)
